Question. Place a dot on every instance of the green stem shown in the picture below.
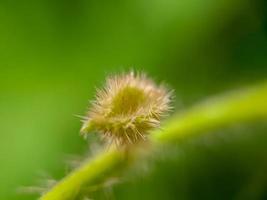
(237, 107)
(69, 187)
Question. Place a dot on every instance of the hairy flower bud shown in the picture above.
(127, 108)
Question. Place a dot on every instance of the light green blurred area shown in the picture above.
(54, 53)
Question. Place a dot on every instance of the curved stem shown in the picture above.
(240, 106)
(235, 107)
(69, 187)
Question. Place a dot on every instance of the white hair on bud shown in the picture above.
(127, 108)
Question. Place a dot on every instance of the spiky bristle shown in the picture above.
(127, 108)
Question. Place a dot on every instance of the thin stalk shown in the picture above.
(237, 107)
(69, 187)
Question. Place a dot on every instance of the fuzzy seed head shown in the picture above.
(128, 107)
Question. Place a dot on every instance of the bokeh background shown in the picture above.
(53, 53)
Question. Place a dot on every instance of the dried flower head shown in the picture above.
(127, 108)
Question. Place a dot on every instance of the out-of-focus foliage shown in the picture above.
(54, 53)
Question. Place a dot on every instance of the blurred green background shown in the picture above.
(53, 53)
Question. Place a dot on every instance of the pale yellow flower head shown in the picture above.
(127, 108)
